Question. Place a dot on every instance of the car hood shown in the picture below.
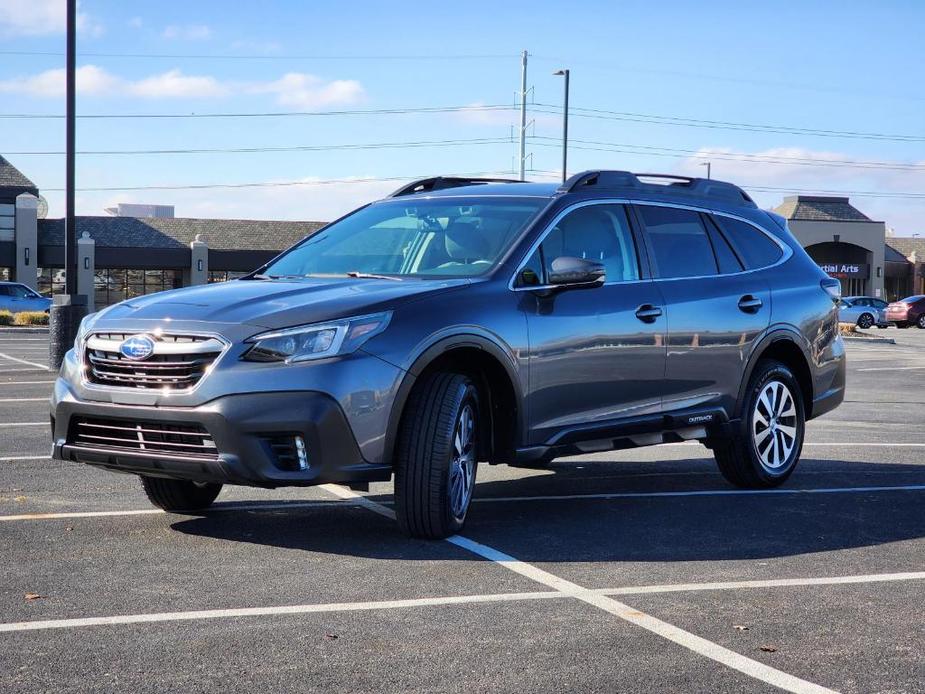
(277, 303)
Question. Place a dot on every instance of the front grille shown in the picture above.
(179, 361)
(183, 440)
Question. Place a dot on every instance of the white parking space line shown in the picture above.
(225, 508)
(45, 399)
(10, 458)
(769, 583)
(10, 425)
(697, 644)
(43, 367)
(704, 492)
(279, 610)
(893, 368)
(25, 383)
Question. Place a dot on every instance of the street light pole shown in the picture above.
(69, 308)
(707, 164)
(565, 74)
(523, 115)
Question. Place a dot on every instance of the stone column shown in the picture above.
(86, 269)
(26, 238)
(199, 261)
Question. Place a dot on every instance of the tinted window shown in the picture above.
(595, 232)
(879, 303)
(19, 291)
(753, 246)
(680, 244)
(4, 291)
(725, 256)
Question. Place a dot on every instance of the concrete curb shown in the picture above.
(871, 340)
(34, 330)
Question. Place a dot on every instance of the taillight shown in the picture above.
(832, 287)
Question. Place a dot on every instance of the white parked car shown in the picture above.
(863, 311)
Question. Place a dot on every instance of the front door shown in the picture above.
(596, 354)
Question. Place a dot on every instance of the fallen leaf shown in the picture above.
(33, 596)
(330, 637)
(769, 649)
(740, 627)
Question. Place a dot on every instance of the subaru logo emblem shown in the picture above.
(137, 347)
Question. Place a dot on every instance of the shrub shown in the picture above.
(30, 318)
(6, 318)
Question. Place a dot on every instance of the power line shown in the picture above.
(274, 56)
(646, 150)
(271, 114)
(295, 148)
(272, 184)
(654, 119)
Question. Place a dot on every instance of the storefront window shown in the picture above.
(115, 284)
(50, 281)
(224, 275)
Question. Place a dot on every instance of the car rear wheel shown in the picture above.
(437, 456)
(865, 320)
(921, 321)
(765, 445)
(179, 496)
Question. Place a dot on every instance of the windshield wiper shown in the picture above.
(371, 276)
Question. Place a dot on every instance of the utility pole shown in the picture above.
(523, 115)
(707, 164)
(69, 308)
(565, 74)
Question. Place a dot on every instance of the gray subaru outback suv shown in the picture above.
(468, 320)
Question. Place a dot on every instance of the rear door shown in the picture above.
(717, 309)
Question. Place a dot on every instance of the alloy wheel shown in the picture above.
(865, 321)
(774, 425)
(462, 464)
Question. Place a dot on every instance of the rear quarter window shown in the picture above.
(752, 245)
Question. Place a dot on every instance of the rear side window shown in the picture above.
(679, 241)
(752, 245)
(725, 256)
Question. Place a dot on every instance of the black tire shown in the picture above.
(921, 321)
(738, 457)
(865, 321)
(424, 463)
(179, 496)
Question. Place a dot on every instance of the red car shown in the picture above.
(909, 311)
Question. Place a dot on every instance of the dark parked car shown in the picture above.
(909, 311)
(467, 320)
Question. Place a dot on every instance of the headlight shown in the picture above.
(317, 341)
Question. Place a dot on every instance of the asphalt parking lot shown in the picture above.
(628, 571)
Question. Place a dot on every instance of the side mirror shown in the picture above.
(566, 271)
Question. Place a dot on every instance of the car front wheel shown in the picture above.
(437, 456)
(766, 442)
(179, 496)
(865, 321)
(921, 321)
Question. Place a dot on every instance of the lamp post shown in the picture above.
(69, 308)
(708, 165)
(565, 74)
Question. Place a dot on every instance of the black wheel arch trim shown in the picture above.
(774, 334)
(430, 352)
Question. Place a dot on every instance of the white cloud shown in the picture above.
(136, 22)
(174, 84)
(187, 32)
(40, 17)
(91, 80)
(306, 91)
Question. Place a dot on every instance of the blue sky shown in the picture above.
(835, 66)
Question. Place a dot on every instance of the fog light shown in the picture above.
(300, 452)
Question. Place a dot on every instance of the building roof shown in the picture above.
(11, 177)
(906, 246)
(817, 208)
(159, 232)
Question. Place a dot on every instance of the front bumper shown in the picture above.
(238, 424)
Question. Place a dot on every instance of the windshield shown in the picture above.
(447, 238)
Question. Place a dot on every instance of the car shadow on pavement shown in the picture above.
(632, 529)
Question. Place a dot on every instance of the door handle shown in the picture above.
(750, 304)
(647, 313)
